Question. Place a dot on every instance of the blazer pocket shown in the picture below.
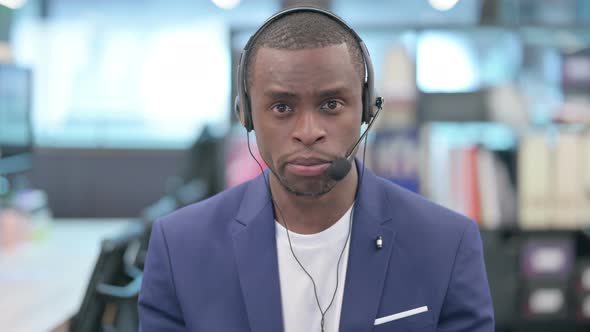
(409, 320)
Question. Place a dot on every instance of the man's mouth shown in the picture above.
(308, 166)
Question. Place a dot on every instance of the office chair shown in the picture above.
(114, 282)
(182, 195)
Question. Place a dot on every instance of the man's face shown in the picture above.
(306, 107)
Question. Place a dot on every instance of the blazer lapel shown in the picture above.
(367, 264)
(256, 258)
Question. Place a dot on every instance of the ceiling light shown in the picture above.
(226, 4)
(12, 4)
(443, 5)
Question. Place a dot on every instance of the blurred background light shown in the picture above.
(13, 4)
(445, 63)
(443, 5)
(226, 4)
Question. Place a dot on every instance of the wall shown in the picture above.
(103, 183)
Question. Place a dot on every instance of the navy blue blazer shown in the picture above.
(212, 266)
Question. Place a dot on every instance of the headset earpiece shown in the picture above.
(237, 112)
(367, 106)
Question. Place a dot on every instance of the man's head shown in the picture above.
(305, 77)
(303, 30)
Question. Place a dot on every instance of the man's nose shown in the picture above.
(308, 129)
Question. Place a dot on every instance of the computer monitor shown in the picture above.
(16, 138)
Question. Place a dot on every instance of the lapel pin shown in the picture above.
(379, 242)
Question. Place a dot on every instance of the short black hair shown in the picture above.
(300, 30)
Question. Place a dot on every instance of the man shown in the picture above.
(298, 248)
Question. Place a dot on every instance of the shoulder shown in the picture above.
(213, 213)
(419, 220)
(442, 247)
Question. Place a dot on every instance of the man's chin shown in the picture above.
(308, 188)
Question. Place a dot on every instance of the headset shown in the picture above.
(242, 102)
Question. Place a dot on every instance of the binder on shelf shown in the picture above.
(534, 182)
(435, 178)
(472, 189)
(458, 171)
(585, 179)
(569, 201)
(489, 193)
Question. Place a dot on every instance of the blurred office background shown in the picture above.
(115, 112)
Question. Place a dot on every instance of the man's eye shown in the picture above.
(331, 105)
(281, 108)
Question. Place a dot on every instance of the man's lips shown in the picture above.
(308, 167)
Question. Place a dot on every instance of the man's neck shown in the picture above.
(309, 215)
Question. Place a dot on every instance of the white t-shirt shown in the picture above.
(319, 254)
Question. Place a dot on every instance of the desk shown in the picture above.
(42, 283)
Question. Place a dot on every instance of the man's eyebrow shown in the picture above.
(332, 92)
(274, 94)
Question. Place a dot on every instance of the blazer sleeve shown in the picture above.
(159, 309)
(468, 303)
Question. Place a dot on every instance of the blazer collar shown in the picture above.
(256, 198)
(370, 198)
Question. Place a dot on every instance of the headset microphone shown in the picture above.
(339, 168)
(342, 165)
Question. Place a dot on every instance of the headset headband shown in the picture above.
(242, 103)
